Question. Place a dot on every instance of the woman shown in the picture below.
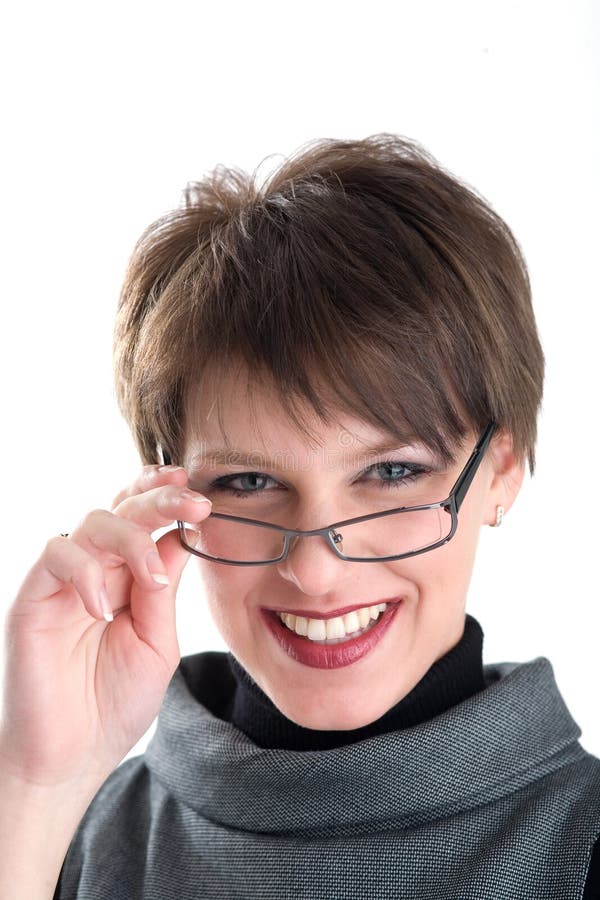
(344, 363)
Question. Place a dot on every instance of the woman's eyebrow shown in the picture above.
(286, 458)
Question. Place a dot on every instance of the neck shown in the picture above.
(450, 680)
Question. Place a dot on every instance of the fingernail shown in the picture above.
(169, 468)
(105, 605)
(190, 495)
(160, 579)
(154, 562)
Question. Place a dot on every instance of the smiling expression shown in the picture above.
(288, 624)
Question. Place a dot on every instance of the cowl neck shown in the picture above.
(512, 732)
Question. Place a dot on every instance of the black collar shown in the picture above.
(450, 680)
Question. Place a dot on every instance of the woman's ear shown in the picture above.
(508, 473)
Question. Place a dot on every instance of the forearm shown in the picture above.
(37, 824)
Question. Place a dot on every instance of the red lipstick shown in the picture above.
(332, 656)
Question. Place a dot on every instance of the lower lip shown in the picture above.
(334, 656)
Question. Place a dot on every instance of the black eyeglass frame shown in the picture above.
(451, 504)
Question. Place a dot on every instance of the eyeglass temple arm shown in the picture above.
(468, 474)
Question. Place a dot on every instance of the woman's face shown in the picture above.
(311, 487)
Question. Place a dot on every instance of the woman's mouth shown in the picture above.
(334, 642)
(335, 630)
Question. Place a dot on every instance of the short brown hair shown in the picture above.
(360, 265)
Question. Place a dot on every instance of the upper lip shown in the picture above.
(331, 614)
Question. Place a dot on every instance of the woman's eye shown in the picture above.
(388, 474)
(393, 473)
(250, 483)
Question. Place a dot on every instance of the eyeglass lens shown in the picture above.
(391, 535)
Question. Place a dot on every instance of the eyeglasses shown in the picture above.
(378, 537)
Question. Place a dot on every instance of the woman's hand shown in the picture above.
(79, 691)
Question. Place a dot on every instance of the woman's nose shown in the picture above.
(313, 565)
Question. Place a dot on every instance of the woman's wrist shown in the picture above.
(37, 824)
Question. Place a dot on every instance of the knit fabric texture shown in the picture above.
(494, 799)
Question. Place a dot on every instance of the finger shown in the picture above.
(150, 477)
(160, 506)
(65, 563)
(115, 541)
(154, 613)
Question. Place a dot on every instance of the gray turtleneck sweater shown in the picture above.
(492, 799)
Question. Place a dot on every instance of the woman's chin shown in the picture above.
(332, 715)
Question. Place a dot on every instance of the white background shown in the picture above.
(109, 111)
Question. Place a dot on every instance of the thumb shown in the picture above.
(153, 612)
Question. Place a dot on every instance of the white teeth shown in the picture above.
(364, 616)
(337, 628)
(301, 626)
(351, 623)
(316, 630)
(289, 620)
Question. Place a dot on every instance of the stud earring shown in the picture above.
(499, 516)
